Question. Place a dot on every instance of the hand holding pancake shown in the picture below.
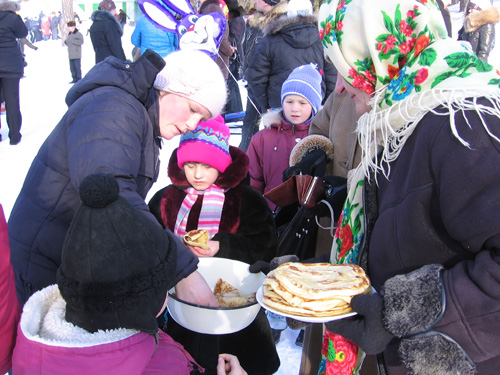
(210, 250)
(197, 241)
(197, 238)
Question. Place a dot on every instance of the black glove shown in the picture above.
(313, 164)
(262, 266)
(365, 329)
(336, 194)
(296, 324)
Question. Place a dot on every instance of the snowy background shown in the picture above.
(42, 105)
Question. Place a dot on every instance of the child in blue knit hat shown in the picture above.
(269, 150)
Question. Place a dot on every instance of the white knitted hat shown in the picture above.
(195, 76)
(299, 8)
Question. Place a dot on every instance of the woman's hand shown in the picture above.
(201, 252)
(195, 289)
(229, 365)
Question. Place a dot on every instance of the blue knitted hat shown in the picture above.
(304, 81)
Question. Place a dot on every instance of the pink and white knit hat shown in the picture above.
(207, 144)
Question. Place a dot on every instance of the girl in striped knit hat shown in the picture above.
(210, 190)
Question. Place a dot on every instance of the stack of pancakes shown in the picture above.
(315, 289)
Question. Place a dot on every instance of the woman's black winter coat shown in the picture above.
(289, 42)
(106, 35)
(111, 126)
(12, 27)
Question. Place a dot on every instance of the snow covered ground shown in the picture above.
(42, 105)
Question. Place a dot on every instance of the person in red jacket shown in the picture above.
(269, 150)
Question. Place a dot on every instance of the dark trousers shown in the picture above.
(10, 92)
(76, 69)
(250, 125)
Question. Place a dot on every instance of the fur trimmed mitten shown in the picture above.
(310, 156)
(413, 304)
(408, 307)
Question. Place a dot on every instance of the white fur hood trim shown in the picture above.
(272, 117)
(43, 321)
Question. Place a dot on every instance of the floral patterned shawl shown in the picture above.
(397, 51)
(400, 54)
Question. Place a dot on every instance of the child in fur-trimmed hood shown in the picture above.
(270, 148)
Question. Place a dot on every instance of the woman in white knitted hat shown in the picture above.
(118, 114)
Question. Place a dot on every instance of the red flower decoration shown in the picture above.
(392, 70)
(421, 43)
(328, 28)
(343, 355)
(345, 235)
(421, 76)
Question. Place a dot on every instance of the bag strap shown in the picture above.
(332, 226)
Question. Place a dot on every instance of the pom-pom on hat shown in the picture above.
(117, 263)
(108, 5)
(299, 8)
(207, 144)
(304, 81)
(195, 76)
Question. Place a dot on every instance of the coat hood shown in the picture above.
(236, 172)
(11, 6)
(43, 321)
(272, 117)
(103, 15)
(259, 20)
(275, 119)
(135, 78)
(299, 31)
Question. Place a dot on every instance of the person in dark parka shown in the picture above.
(210, 190)
(106, 32)
(290, 41)
(12, 27)
(480, 18)
(118, 114)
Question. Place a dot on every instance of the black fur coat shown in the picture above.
(247, 233)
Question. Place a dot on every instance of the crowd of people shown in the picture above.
(398, 115)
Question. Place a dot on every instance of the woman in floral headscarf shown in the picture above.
(423, 210)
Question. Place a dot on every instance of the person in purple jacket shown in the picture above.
(100, 317)
(269, 150)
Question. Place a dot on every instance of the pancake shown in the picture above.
(197, 237)
(229, 296)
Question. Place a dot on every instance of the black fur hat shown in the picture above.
(117, 262)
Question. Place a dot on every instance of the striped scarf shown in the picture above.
(211, 210)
